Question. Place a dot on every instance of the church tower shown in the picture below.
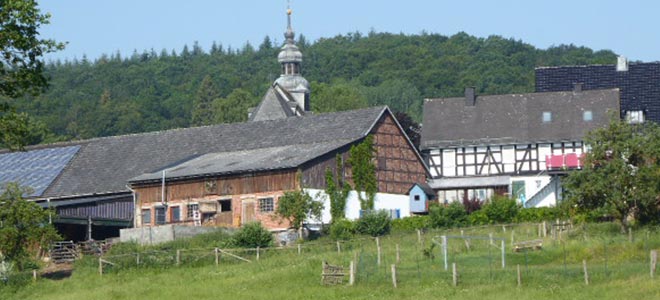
(289, 94)
(291, 58)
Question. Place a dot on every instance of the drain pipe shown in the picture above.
(135, 208)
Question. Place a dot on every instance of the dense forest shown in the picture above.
(150, 90)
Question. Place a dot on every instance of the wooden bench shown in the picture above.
(332, 275)
(528, 245)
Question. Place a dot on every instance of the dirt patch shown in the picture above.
(57, 271)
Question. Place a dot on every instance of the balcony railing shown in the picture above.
(564, 161)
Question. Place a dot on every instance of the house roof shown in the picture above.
(241, 161)
(274, 105)
(515, 118)
(639, 85)
(104, 165)
(426, 188)
(469, 182)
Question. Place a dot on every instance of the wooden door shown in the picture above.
(248, 212)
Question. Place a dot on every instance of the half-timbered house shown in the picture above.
(517, 144)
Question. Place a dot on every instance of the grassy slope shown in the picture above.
(283, 274)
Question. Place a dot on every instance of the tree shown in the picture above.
(234, 108)
(297, 206)
(621, 174)
(336, 97)
(364, 172)
(202, 113)
(337, 190)
(24, 226)
(412, 129)
(21, 65)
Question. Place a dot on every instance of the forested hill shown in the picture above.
(159, 90)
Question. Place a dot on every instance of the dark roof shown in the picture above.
(35, 169)
(104, 165)
(514, 118)
(426, 188)
(639, 86)
(241, 161)
(276, 104)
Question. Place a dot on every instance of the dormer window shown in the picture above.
(635, 116)
(587, 116)
(547, 117)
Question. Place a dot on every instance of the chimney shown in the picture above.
(470, 97)
(621, 64)
(577, 87)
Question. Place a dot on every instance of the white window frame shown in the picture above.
(266, 207)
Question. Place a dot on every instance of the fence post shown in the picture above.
(398, 254)
(217, 256)
(299, 250)
(338, 247)
(34, 275)
(100, 267)
(654, 261)
(178, 257)
(503, 255)
(444, 250)
(490, 239)
(519, 276)
(257, 252)
(137, 259)
(630, 235)
(586, 274)
(539, 229)
(503, 228)
(394, 275)
(379, 252)
(454, 274)
(351, 274)
(419, 237)
(545, 229)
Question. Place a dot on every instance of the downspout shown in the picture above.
(162, 191)
(50, 214)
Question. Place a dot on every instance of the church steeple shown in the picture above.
(291, 58)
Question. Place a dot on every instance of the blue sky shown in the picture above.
(630, 28)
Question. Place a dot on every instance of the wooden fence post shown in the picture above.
(419, 236)
(545, 229)
(34, 275)
(258, 252)
(217, 256)
(137, 259)
(299, 249)
(490, 238)
(351, 274)
(519, 276)
(503, 228)
(654, 261)
(398, 254)
(100, 267)
(379, 252)
(338, 247)
(586, 274)
(394, 275)
(454, 274)
(178, 257)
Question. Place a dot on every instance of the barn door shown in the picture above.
(248, 211)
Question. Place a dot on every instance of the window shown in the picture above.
(266, 205)
(175, 214)
(587, 116)
(225, 205)
(416, 197)
(193, 211)
(160, 215)
(146, 216)
(547, 117)
(635, 116)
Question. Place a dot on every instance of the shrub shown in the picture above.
(411, 223)
(452, 215)
(472, 205)
(478, 217)
(342, 229)
(252, 235)
(374, 223)
(501, 209)
(538, 214)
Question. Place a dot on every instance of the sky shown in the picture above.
(92, 28)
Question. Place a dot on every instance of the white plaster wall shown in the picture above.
(532, 187)
(352, 212)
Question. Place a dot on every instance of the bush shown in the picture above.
(252, 235)
(411, 223)
(374, 223)
(501, 209)
(452, 215)
(538, 214)
(478, 217)
(342, 229)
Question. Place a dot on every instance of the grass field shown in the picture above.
(618, 269)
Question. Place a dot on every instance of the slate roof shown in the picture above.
(35, 169)
(514, 118)
(251, 160)
(104, 165)
(276, 104)
(639, 86)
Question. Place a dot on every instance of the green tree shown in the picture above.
(336, 97)
(202, 113)
(297, 206)
(621, 174)
(337, 190)
(364, 172)
(234, 108)
(21, 65)
(24, 226)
